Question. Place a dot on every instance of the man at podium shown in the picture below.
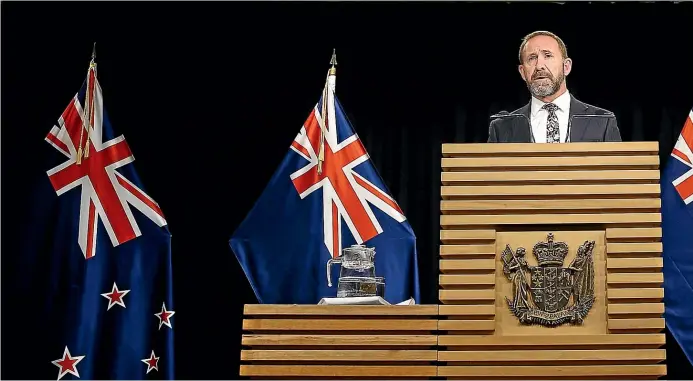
(553, 115)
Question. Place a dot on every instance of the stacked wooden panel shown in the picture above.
(495, 195)
(332, 342)
(468, 280)
(635, 280)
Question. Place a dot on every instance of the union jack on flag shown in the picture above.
(106, 193)
(347, 196)
(683, 152)
(325, 196)
(677, 239)
(101, 253)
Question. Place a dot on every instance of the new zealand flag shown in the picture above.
(98, 260)
(326, 195)
(677, 239)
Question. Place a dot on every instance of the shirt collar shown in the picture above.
(563, 103)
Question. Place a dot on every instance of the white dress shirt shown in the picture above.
(539, 117)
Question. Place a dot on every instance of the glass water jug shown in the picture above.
(357, 274)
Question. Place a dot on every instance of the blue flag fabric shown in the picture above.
(677, 239)
(97, 255)
(311, 209)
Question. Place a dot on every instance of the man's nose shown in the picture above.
(541, 63)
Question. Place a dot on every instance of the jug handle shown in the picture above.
(329, 267)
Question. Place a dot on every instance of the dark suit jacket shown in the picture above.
(586, 123)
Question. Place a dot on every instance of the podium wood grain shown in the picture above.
(498, 194)
(304, 341)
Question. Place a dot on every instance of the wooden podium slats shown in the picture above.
(451, 221)
(466, 325)
(635, 264)
(472, 280)
(578, 371)
(550, 191)
(468, 250)
(499, 189)
(629, 295)
(529, 163)
(331, 341)
(636, 309)
(655, 324)
(467, 310)
(469, 236)
(636, 247)
(339, 340)
(529, 342)
(339, 371)
(328, 310)
(632, 234)
(368, 324)
(550, 206)
(475, 275)
(551, 177)
(467, 265)
(468, 295)
(464, 355)
(467, 282)
(635, 279)
(339, 356)
(578, 149)
(586, 355)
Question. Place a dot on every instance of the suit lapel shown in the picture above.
(577, 126)
(524, 133)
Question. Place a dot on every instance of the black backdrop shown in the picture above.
(210, 95)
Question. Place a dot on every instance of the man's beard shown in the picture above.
(542, 89)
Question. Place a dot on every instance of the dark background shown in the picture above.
(210, 95)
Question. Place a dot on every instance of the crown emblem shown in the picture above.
(550, 294)
(550, 252)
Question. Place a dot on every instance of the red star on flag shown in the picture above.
(67, 364)
(164, 316)
(115, 297)
(152, 362)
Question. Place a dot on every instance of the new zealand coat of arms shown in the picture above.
(549, 294)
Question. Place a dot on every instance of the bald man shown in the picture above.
(553, 115)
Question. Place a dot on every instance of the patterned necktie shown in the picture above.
(552, 132)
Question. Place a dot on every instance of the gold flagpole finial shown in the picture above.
(333, 62)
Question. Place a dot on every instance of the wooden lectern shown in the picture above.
(338, 342)
(550, 269)
(551, 261)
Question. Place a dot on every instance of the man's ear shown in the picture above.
(567, 66)
(520, 68)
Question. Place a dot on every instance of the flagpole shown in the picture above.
(331, 84)
(88, 109)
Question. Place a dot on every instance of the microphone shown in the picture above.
(570, 120)
(608, 116)
(504, 114)
(507, 115)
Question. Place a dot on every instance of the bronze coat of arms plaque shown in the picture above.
(549, 294)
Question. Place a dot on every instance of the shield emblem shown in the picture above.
(551, 287)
